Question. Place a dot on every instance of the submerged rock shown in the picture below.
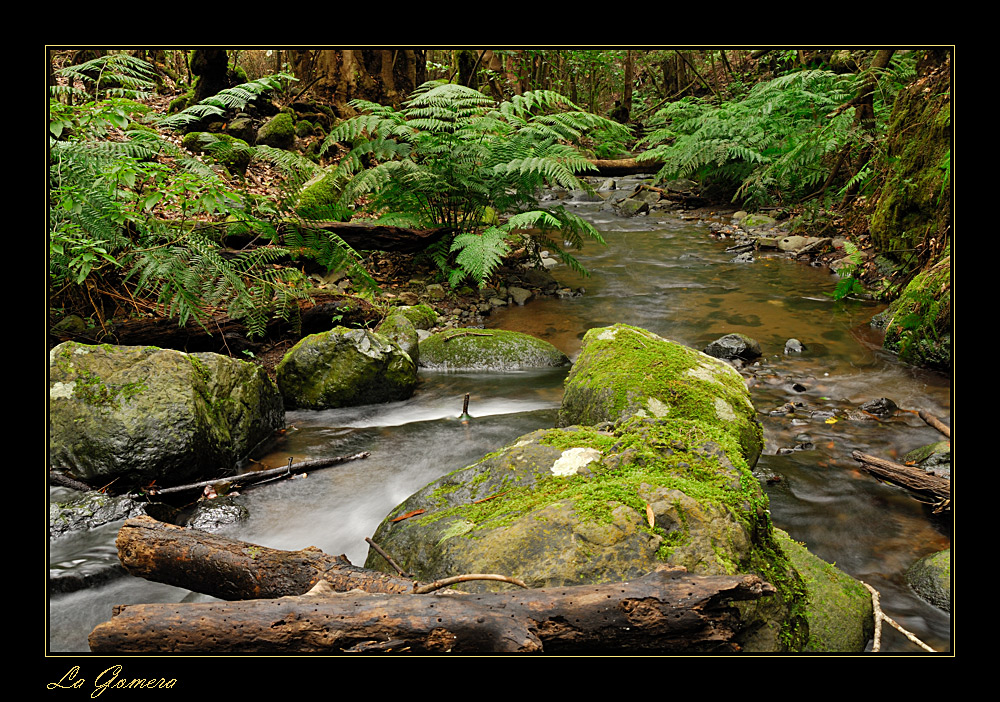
(343, 368)
(141, 413)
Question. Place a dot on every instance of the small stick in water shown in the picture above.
(465, 417)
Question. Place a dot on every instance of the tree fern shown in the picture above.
(450, 156)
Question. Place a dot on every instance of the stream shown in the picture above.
(669, 276)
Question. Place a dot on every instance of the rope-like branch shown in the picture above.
(880, 616)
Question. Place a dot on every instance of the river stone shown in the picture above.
(344, 368)
(930, 577)
(733, 346)
(144, 413)
(398, 328)
(488, 350)
(625, 371)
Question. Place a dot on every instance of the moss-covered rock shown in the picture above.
(930, 577)
(421, 316)
(488, 349)
(143, 413)
(278, 132)
(235, 154)
(918, 323)
(838, 608)
(345, 367)
(398, 328)
(319, 198)
(625, 371)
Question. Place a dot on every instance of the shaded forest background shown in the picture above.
(850, 140)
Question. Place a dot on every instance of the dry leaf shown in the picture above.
(649, 515)
(414, 513)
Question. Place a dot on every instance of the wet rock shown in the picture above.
(140, 414)
(733, 346)
(520, 295)
(930, 577)
(214, 514)
(882, 407)
(345, 367)
(794, 346)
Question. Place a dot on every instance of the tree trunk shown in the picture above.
(624, 166)
(666, 610)
(212, 68)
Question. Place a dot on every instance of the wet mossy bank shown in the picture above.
(651, 464)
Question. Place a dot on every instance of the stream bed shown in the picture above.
(667, 275)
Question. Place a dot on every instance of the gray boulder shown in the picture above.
(142, 413)
(343, 368)
(930, 577)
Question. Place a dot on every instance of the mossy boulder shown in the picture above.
(278, 132)
(625, 371)
(421, 316)
(488, 350)
(235, 154)
(144, 413)
(838, 608)
(398, 328)
(320, 195)
(930, 577)
(343, 368)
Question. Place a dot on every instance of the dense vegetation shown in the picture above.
(157, 208)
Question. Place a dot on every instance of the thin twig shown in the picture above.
(880, 616)
(445, 582)
(388, 558)
(935, 422)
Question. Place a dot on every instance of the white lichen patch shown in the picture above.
(61, 391)
(724, 410)
(572, 460)
(607, 335)
(658, 408)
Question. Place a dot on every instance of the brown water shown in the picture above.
(668, 276)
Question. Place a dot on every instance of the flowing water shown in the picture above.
(667, 275)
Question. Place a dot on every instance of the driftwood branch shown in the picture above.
(935, 422)
(246, 479)
(624, 166)
(913, 479)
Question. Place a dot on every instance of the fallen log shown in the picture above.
(367, 236)
(624, 166)
(913, 479)
(664, 611)
(229, 569)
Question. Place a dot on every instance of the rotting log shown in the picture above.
(367, 236)
(913, 479)
(229, 569)
(666, 610)
(624, 166)
(223, 334)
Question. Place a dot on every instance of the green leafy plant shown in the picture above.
(453, 158)
(774, 144)
(127, 206)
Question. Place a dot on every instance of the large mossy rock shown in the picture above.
(144, 413)
(488, 350)
(662, 474)
(625, 371)
(344, 368)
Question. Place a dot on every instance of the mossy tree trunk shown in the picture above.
(211, 66)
